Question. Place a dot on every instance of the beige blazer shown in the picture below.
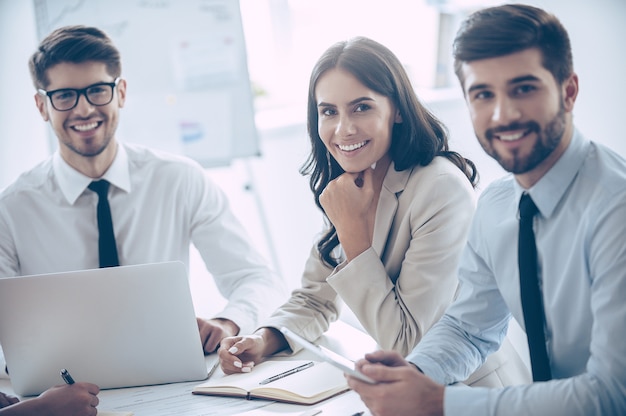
(402, 284)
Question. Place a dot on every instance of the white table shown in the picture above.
(177, 399)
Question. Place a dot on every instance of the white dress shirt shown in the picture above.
(160, 204)
(580, 233)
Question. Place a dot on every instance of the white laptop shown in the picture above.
(115, 327)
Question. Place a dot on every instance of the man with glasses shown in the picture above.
(157, 204)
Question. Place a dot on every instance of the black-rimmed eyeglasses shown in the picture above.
(65, 99)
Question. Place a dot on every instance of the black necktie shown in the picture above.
(107, 249)
(532, 303)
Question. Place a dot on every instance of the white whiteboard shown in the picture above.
(185, 63)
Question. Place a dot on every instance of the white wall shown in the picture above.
(23, 140)
(596, 28)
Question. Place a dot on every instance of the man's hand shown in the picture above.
(78, 399)
(401, 390)
(212, 331)
(6, 400)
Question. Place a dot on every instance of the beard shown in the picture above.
(88, 152)
(548, 139)
(89, 148)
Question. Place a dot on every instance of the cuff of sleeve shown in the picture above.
(277, 324)
(428, 367)
(341, 278)
(460, 399)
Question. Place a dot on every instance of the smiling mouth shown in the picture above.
(352, 147)
(512, 136)
(86, 127)
(512, 132)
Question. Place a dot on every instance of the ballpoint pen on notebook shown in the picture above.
(287, 373)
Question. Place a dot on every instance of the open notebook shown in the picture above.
(115, 327)
(316, 382)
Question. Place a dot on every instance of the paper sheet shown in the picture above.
(174, 399)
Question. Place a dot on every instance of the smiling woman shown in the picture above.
(398, 204)
(360, 95)
(354, 122)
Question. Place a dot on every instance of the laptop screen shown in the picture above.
(115, 327)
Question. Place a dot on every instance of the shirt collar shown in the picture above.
(549, 190)
(73, 183)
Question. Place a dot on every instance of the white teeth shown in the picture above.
(85, 127)
(351, 147)
(510, 137)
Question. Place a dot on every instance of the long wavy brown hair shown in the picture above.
(416, 141)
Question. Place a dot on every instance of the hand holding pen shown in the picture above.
(70, 399)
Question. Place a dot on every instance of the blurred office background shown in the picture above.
(283, 40)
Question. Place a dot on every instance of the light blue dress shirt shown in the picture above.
(581, 242)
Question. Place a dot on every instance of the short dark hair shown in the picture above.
(503, 30)
(416, 141)
(73, 44)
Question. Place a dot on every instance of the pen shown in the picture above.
(213, 368)
(287, 373)
(66, 376)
